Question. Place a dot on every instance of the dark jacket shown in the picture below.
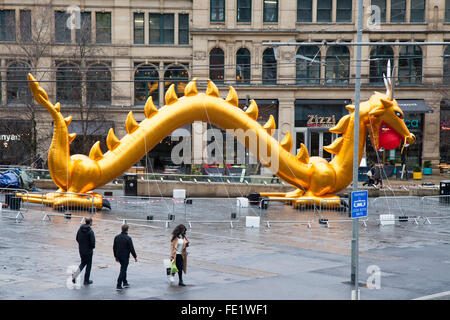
(123, 246)
(85, 239)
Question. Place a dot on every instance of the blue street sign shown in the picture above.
(359, 204)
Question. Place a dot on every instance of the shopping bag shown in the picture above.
(174, 268)
(168, 266)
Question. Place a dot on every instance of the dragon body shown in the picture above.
(313, 177)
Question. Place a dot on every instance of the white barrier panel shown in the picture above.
(387, 219)
(179, 193)
(252, 222)
(242, 202)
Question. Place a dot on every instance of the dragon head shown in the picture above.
(385, 123)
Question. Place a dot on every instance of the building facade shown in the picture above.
(101, 59)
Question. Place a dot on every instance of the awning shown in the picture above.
(323, 101)
(414, 106)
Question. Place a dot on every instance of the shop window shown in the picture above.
(410, 65)
(161, 28)
(269, 67)
(445, 131)
(103, 27)
(244, 11)
(177, 75)
(62, 32)
(337, 69)
(17, 90)
(304, 10)
(243, 66)
(146, 84)
(270, 11)
(344, 11)
(89, 132)
(217, 65)
(381, 4)
(398, 10)
(217, 10)
(324, 9)
(447, 10)
(83, 35)
(25, 25)
(68, 83)
(417, 11)
(379, 57)
(15, 142)
(308, 72)
(7, 25)
(98, 84)
(447, 65)
(138, 26)
(183, 29)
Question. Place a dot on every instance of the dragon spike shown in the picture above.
(286, 143)
(350, 108)
(303, 154)
(252, 110)
(191, 88)
(150, 108)
(96, 153)
(58, 107)
(212, 89)
(112, 141)
(72, 137)
(171, 95)
(335, 146)
(232, 97)
(270, 125)
(131, 125)
(68, 120)
(341, 125)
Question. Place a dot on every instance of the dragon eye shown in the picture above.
(398, 114)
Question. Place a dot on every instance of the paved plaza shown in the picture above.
(283, 262)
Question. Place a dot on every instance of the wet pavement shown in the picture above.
(285, 261)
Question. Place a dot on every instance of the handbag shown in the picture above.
(173, 268)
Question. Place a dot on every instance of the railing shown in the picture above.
(12, 203)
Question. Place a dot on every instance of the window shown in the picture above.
(7, 25)
(398, 10)
(217, 65)
(17, 90)
(83, 35)
(243, 66)
(138, 28)
(308, 72)
(244, 11)
(410, 65)
(379, 57)
(62, 33)
(381, 4)
(447, 65)
(217, 10)
(177, 75)
(304, 10)
(103, 27)
(161, 28)
(337, 69)
(270, 11)
(417, 11)
(324, 10)
(68, 83)
(269, 67)
(146, 84)
(25, 25)
(344, 11)
(98, 84)
(183, 29)
(447, 10)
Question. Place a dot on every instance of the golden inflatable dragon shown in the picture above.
(313, 177)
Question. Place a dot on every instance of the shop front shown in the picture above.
(444, 132)
(313, 119)
(15, 142)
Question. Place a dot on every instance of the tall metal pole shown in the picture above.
(355, 227)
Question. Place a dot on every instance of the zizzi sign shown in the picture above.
(315, 120)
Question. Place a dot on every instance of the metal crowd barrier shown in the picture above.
(12, 203)
(150, 208)
(166, 222)
(44, 200)
(435, 207)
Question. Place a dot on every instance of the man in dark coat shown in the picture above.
(86, 245)
(123, 246)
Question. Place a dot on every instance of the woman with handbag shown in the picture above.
(178, 253)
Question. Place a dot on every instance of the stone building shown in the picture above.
(101, 59)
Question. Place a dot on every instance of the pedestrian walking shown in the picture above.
(178, 252)
(370, 173)
(378, 175)
(86, 245)
(123, 246)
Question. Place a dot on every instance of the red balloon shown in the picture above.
(389, 138)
